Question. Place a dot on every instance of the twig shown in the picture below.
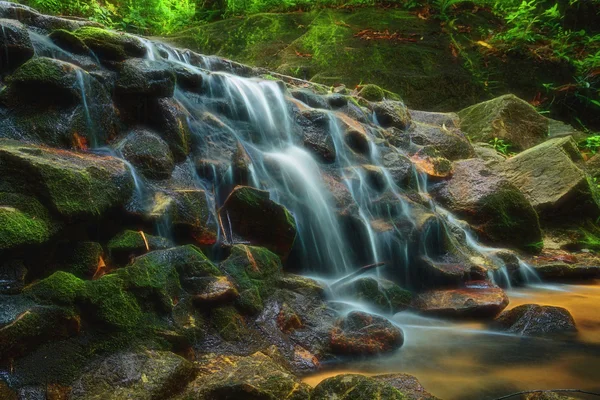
(547, 391)
(356, 273)
(145, 240)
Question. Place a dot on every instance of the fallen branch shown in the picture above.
(547, 391)
(356, 273)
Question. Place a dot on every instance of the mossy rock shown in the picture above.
(69, 41)
(253, 268)
(257, 376)
(355, 387)
(73, 184)
(493, 206)
(60, 288)
(254, 217)
(109, 45)
(228, 322)
(82, 259)
(129, 244)
(383, 295)
(23, 222)
(144, 375)
(372, 92)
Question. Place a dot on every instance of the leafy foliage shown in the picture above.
(501, 146)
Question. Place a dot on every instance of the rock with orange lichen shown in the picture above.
(362, 333)
(476, 299)
(536, 320)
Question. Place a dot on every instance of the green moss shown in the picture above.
(111, 305)
(68, 41)
(44, 71)
(372, 93)
(60, 288)
(250, 301)
(355, 387)
(23, 221)
(129, 244)
(229, 323)
(110, 45)
(80, 258)
(253, 268)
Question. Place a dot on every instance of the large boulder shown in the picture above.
(535, 320)
(58, 104)
(382, 294)
(477, 299)
(249, 215)
(254, 377)
(148, 153)
(392, 114)
(145, 78)
(551, 177)
(362, 333)
(15, 44)
(72, 184)
(316, 135)
(355, 387)
(447, 142)
(506, 117)
(493, 206)
(149, 375)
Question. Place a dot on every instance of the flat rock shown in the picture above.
(477, 299)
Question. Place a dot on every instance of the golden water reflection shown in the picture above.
(464, 361)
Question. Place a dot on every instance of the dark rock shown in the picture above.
(557, 271)
(316, 134)
(15, 44)
(549, 175)
(249, 214)
(506, 117)
(493, 206)
(148, 153)
(381, 294)
(449, 143)
(362, 333)
(188, 78)
(535, 320)
(254, 377)
(32, 18)
(240, 166)
(82, 259)
(69, 41)
(392, 114)
(145, 78)
(220, 290)
(355, 387)
(447, 120)
(73, 184)
(477, 299)
(149, 375)
(309, 98)
(169, 120)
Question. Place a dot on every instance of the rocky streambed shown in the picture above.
(174, 225)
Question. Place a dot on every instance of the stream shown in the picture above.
(464, 361)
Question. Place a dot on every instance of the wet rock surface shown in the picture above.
(536, 320)
(477, 299)
(362, 333)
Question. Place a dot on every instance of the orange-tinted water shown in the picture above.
(464, 361)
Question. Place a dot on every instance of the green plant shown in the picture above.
(590, 144)
(501, 146)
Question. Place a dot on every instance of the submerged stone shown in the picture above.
(536, 320)
(250, 215)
